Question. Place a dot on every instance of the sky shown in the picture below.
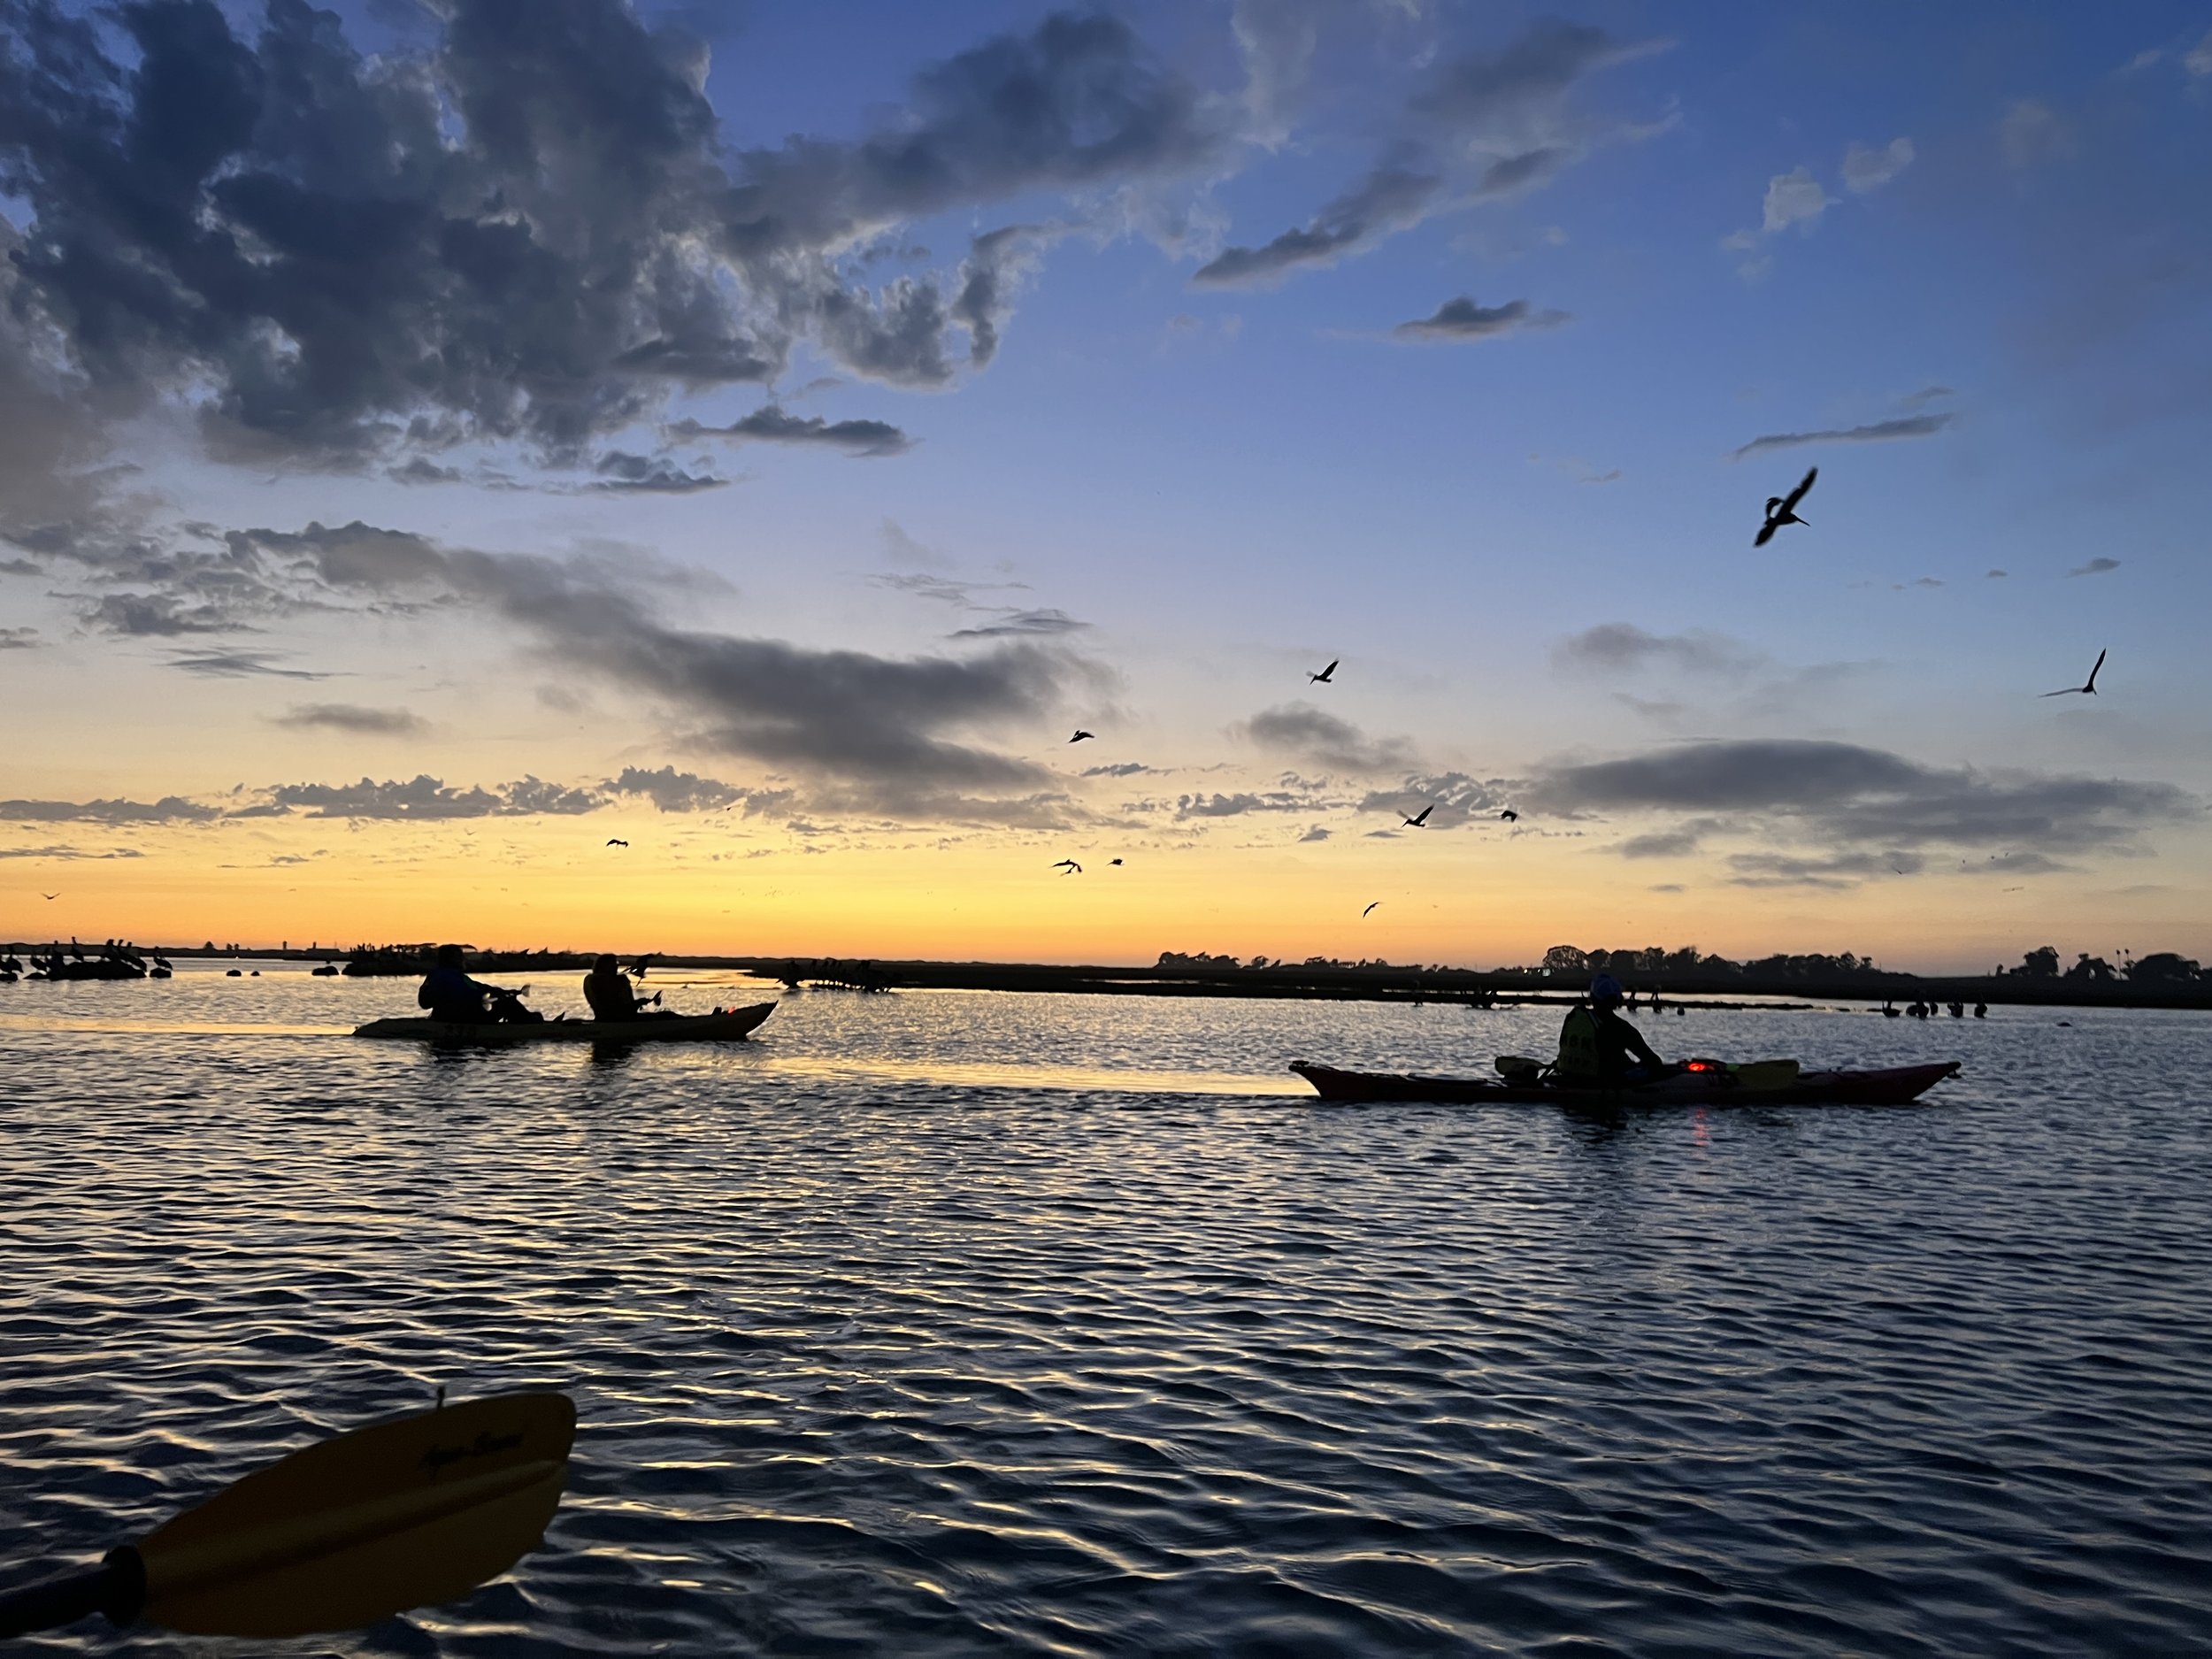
(439, 443)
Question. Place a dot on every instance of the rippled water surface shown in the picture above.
(956, 1324)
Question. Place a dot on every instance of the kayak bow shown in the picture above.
(1891, 1086)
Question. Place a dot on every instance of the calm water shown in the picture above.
(957, 1324)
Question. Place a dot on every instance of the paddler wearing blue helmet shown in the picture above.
(1597, 1046)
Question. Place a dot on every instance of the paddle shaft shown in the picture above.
(115, 1587)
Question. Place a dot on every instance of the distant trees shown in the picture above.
(2164, 967)
(2091, 970)
(2040, 963)
(1565, 959)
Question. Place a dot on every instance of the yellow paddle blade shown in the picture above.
(404, 1513)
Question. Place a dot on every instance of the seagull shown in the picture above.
(1782, 510)
(1068, 866)
(1322, 678)
(612, 841)
(49, 895)
(1113, 861)
(1509, 816)
(1080, 735)
(1364, 914)
(2088, 687)
(1416, 823)
(637, 969)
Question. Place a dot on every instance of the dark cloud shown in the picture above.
(421, 470)
(1833, 873)
(1199, 806)
(237, 664)
(1624, 648)
(672, 791)
(1314, 735)
(1876, 432)
(1854, 797)
(1316, 832)
(67, 853)
(619, 470)
(352, 717)
(2095, 567)
(156, 615)
(1926, 396)
(769, 425)
(519, 223)
(19, 639)
(429, 798)
(1462, 318)
(1389, 198)
(997, 263)
(169, 809)
(1120, 769)
(898, 732)
(1024, 624)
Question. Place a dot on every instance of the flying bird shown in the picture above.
(1080, 735)
(1322, 678)
(1370, 911)
(1416, 823)
(612, 841)
(1068, 866)
(1782, 510)
(49, 895)
(2088, 687)
(1509, 816)
(1113, 861)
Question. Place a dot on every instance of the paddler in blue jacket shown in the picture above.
(1597, 1046)
(450, 993)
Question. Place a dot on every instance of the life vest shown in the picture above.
(1579, 1044)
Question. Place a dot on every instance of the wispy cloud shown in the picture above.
(2095, 567)
(1865, 169)
(1900, 426)
(771, 424)
(1461, 319)
(353, 717)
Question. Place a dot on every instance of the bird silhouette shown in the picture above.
(637, 968)
(2088, 687)
(1068, 866)
(1782, 510)
(1509, 816)
(1370, 911)
(612, 841)
(1416, 823)
(1080, 735)
(49, 895)
(1113, 861)
(1322, 678)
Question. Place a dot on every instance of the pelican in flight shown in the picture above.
(1322, 678)
(614, 841)
(1423, 818)
(1370, 911)
(2088, 687)
(1782, 510)
(1509, 816)
(1080, 735)
(49, 895)
(1069, 867)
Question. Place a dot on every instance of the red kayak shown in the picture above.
(1893, 1086)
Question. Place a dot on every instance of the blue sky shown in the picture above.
(1969, 244)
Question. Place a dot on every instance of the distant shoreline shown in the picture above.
(1466, 986)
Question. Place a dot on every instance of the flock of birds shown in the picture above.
(1780, 509)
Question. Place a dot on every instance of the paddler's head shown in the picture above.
(605, 964)
(448, 956)
(1605, 992)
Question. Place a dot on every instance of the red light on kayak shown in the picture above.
(1701, 1065)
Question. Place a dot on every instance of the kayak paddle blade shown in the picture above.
(408, 1512)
